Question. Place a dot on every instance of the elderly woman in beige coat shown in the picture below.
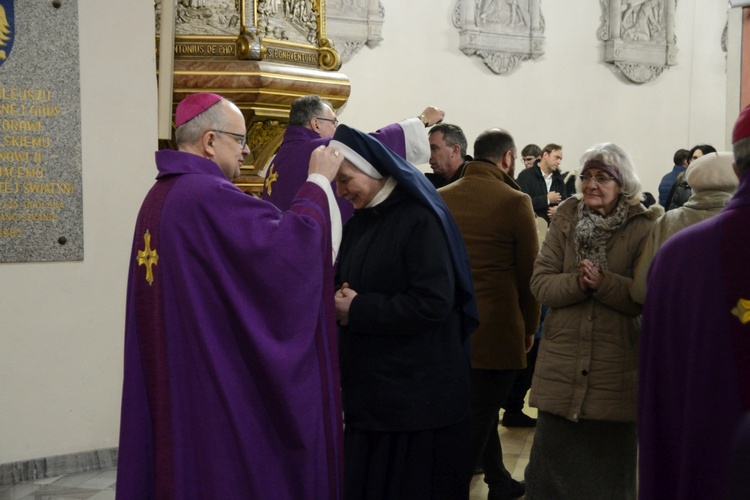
(585, 384)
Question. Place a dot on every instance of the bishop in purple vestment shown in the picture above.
(694, 380)
(312, 122)
(231, 385)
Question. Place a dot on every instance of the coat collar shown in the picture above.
(483, 168)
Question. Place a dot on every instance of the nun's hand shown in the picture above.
(343, 298)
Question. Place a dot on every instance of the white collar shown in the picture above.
(384, 193)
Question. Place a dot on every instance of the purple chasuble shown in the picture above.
(288, 170)
(695, 356)
(231, 384)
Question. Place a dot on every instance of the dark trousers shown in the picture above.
(522, 384)
(489, 390)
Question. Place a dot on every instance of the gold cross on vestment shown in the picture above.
(148, 257)
(742, 311)
(272, 177)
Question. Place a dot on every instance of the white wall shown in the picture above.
(62, 323)
(568, 96)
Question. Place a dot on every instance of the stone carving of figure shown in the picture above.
(208, 17)
(518, 12)
(488, 12)
(642, 20)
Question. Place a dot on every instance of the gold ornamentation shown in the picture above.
(261, 132)
(742, 311)
(272, 177)
(329, 59)
(147, 257)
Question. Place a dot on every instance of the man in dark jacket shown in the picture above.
(447, 154)
(544, 183)
(681, 159)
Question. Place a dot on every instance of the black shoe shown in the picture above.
(519, 419)
(515, 489)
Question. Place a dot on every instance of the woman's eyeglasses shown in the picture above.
(599, 179)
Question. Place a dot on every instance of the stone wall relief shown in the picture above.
(503, 32)
(638, 36)
(353, 24)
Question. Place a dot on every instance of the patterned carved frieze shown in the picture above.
(503, 32)
(638, 36)
(353, 24)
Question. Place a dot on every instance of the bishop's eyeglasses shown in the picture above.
(240, 138)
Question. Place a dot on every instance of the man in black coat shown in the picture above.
(544, 183)
(447, 154)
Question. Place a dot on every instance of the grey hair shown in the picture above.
(452, 135)
(306, 108)
(612, 154)
(211, 119)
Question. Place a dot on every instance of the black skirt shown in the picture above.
(418, 465)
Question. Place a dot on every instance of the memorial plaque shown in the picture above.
(41, 199)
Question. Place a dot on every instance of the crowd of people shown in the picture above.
(355, 333)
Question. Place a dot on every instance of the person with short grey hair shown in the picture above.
(447, 154)
(209, 407)
(585, 379)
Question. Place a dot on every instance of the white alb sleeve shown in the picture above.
(333, 208)
(417, 143)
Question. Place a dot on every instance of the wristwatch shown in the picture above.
(424, 120)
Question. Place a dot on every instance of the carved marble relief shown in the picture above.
(638, 36)
(203, 17)
(284, 31)
(353, 24)
(503, 32)
(288, 20)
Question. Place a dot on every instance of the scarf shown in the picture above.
(594, 231)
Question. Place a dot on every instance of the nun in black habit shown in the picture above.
(405, 306)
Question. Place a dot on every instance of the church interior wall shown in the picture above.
(62, 323)
(568, 95)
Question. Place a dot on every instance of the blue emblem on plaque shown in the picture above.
(7, 29)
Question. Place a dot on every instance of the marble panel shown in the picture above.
(41, 200)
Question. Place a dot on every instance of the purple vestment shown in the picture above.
(231, 385)
(695, 356)
(288, 171)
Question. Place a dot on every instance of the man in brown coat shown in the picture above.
(497, 223)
